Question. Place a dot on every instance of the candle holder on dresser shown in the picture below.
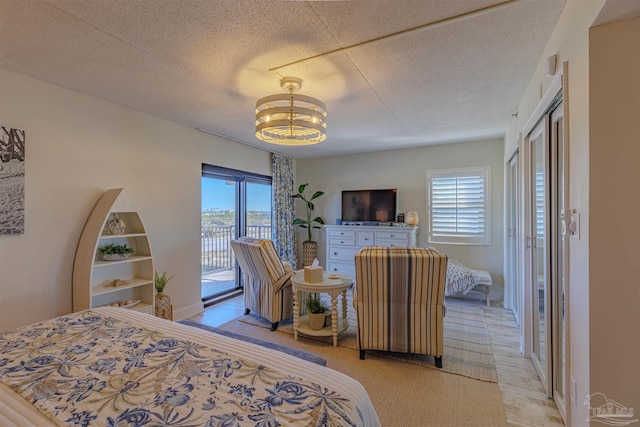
(412, 218)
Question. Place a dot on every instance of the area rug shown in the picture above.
(467, 343)
(305, 355)
(404, 393)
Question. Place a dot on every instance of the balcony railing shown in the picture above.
(216, 249)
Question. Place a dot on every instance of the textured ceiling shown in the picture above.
(459, 75)
(618, 10)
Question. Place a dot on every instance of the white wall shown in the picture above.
(77, 147)
(570, 40)
(614, 211)
(406, 170)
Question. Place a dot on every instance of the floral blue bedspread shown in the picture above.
(87, 368)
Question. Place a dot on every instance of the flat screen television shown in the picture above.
(369, 205)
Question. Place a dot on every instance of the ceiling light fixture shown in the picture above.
(291, 119)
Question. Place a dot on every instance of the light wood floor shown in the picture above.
(523, 397)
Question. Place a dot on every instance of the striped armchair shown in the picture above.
(399, 300)
(267, 284)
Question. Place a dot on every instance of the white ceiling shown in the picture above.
(204, 63)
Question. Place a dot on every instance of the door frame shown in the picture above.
(512, 290)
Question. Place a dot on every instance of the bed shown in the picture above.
(113, 366)
(462, 279)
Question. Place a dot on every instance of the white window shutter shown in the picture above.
(459, 206)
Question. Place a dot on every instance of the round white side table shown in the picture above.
(331, 286)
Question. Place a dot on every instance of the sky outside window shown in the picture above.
(218, 194)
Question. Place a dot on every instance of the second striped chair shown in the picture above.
(399, 300)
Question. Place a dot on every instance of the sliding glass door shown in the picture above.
(258, 210)
(219, 225)
(234, 204)
(546, 248)
(540, 251)
(559, 255)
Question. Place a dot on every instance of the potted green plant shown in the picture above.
(316, 310)
(160, 282)
(115, 252)
(309, 247)
(163, 301)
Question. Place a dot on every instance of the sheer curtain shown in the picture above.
(283, 210)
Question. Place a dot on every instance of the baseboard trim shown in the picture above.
(188, 311)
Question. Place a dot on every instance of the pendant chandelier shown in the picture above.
(291, 119)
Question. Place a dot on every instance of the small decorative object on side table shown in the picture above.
(164, 309)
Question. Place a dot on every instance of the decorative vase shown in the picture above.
(316, 320)
(163, 306)
(412, 218)
(309, 252)
(116, 225)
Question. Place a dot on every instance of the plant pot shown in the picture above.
(309, 252)
(114, 257)
(316, 320)
(163, 306)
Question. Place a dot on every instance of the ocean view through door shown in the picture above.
(234, 204)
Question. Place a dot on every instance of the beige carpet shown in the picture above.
(403, 394)
(467, 345)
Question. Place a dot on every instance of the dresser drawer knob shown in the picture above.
(335, 253)
(342, 241)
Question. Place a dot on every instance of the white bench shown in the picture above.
(484, 279)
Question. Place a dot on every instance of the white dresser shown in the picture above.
(343, 242)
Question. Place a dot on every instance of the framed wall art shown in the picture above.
(12, 180)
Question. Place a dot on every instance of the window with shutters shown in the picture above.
(458, 203)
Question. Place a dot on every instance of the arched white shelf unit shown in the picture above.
(93, 278)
